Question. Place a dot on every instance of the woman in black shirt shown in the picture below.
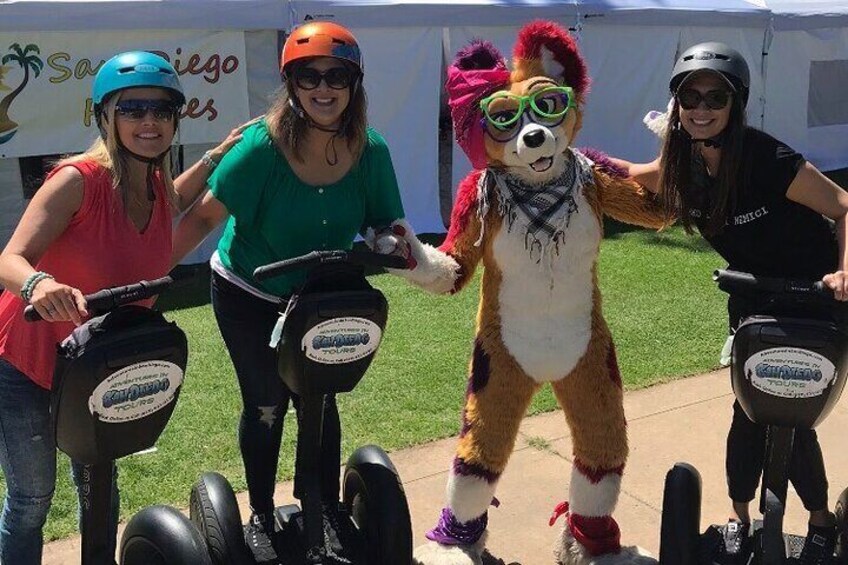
(767, 211)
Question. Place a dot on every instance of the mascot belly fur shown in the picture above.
(532, 213)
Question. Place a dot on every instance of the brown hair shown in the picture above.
(287, 125)
(677, 190)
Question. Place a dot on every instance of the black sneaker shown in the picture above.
(337, 533)
(818, 546)
(258, 535)
(732, 545)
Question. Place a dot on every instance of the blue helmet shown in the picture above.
(135, 69)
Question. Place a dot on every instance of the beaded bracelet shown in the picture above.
(30, 282)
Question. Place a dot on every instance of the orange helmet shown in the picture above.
(321, 39)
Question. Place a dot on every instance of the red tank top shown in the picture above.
(100, 248)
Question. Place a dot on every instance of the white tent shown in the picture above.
(807, 79)
(798, 52)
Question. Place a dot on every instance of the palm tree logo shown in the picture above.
(28, 63)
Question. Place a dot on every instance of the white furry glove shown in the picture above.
(429, 268)
(657, 122)
(391, 241)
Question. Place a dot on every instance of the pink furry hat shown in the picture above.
(478, 70)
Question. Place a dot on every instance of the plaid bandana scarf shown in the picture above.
(541, 207)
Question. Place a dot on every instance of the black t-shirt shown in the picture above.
(766, 233)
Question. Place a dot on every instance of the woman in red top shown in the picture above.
(101, 219)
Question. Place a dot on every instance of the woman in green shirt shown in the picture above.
(310, 176)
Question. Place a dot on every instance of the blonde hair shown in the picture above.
(106, 153)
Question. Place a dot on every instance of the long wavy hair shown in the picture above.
(288, 126)
(106, 152)
(677, 184)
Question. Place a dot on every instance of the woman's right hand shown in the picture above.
(57, 302)
(234, 137)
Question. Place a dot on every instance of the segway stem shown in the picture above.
(95, 507)
(308, 472)
(779, 442)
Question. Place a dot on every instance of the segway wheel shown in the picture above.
(374, 496)
(681, 516)
(214, 510)
(161, 535)
(841, 512)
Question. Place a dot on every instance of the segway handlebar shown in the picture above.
(729, 281)
(364, 258)
(109, 298)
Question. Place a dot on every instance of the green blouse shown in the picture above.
(274, 215)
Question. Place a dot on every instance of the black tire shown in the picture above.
(841, 512)
(161, 535)
(681, 516)
(374, 496)
(214, 510)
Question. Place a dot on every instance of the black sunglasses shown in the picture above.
(336, 78)
(689, 98)
(135, 110)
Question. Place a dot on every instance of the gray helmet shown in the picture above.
(713, 56)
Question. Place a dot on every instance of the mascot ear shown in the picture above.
(479, 55)
(545, 49)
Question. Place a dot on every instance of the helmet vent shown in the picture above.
(146, 69)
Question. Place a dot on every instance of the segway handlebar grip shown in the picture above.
(109, 298)
(729, 280)
(365, 258)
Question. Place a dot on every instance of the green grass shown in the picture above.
(666, 317)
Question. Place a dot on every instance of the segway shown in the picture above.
(788, 372)
(117, 380)
(329, 332)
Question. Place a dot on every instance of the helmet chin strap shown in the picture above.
(152, 164)
(330, 153)
(714, 141)
(710, 141)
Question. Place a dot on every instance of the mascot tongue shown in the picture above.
(465, 88)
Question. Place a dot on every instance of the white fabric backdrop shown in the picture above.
(402, 78)
(787, 85)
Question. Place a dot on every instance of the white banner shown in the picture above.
(46, 78)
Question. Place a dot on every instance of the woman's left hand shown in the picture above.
(234, 137)
(838, 283)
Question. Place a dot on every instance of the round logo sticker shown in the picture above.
(789, 372)
(341, 340)
(135, 391)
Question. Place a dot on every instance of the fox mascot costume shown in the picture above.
(532, 212)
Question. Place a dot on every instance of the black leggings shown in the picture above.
(746, 445)
(245, 322)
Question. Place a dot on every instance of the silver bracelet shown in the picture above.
(208, 161)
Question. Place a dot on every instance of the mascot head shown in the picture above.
(521, 121)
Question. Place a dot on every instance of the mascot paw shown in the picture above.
(432, 553)
(569, 552)
(429, 268)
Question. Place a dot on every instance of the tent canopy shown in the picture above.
(808, 14)
(452, 13)
(80, 15)
(99, 15)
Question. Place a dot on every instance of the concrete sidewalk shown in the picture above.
(686, 420)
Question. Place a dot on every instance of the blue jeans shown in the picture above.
(28, 459)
